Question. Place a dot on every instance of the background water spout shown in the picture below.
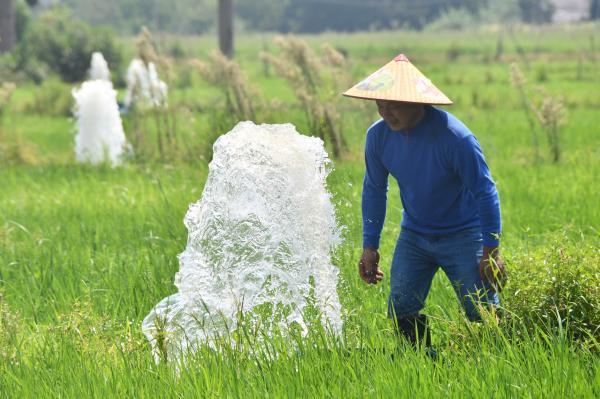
(99, 68)
(144, 86)
(100, 136)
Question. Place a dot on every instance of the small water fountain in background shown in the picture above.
(144, 86)
(138, 83)
(261, 235)
(158, 88)
(100, 136)
(99, 68)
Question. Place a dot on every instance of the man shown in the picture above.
(451, 216)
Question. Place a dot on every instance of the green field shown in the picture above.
(86, 252)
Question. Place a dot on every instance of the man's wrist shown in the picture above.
(491, 250)
(370, 240)
(491, 239)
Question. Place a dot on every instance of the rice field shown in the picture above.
(86, 252)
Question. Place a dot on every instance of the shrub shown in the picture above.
(53, 98)
(23, 18)
(18, 152)
(6, 91)
(66, 45)
(557, 288)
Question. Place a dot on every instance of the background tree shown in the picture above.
(58, 42)
(13, 21)
(199, 16)
(262, 15)
(536, 11)
(129, 16)
(594, 9)
(8, 25)
(345, 15)
(226, 27)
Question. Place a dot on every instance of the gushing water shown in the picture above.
(99, 68)
(100, 136)
(144, 86)
(261, 235)
(158, 88)
(138, 83)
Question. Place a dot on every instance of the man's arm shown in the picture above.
(374, 193)
(473, 170)
(470, 165)
(374, 200)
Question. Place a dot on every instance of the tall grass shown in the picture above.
(316, 83)
(551, 115)
(86, 252)
(78, 276)
(242, 100)
(240, 97)
(549, 112)
(517, 79)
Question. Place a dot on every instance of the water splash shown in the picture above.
(143, 85)
(99, 68)
(100, 136)
(158, 88)
(138, 83)
(261, 234)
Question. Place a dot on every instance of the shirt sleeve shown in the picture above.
(471, 167)
(374, 193)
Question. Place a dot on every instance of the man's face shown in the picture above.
(397, 114)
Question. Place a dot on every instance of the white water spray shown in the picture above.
(99, 68)
(100, 136)
(263, 229)
(158, 88)
(143, 85)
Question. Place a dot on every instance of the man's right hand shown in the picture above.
(368, 266)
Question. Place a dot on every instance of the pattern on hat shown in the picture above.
(399, 80)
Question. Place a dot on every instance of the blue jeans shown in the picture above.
(417, 258)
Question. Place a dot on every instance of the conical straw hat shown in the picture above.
(399, 80)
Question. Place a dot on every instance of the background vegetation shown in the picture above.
(299, 16)
(86, 252)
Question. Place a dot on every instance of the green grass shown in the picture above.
(86, 252)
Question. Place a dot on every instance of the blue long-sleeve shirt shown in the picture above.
(445, 184)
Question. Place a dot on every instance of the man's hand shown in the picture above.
(368, 266)
(492, 269)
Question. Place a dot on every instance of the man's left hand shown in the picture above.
(492, 268)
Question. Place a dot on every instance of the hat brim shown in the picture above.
(374, 98)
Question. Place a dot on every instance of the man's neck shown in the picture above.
(415, 118)
(412, 120)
